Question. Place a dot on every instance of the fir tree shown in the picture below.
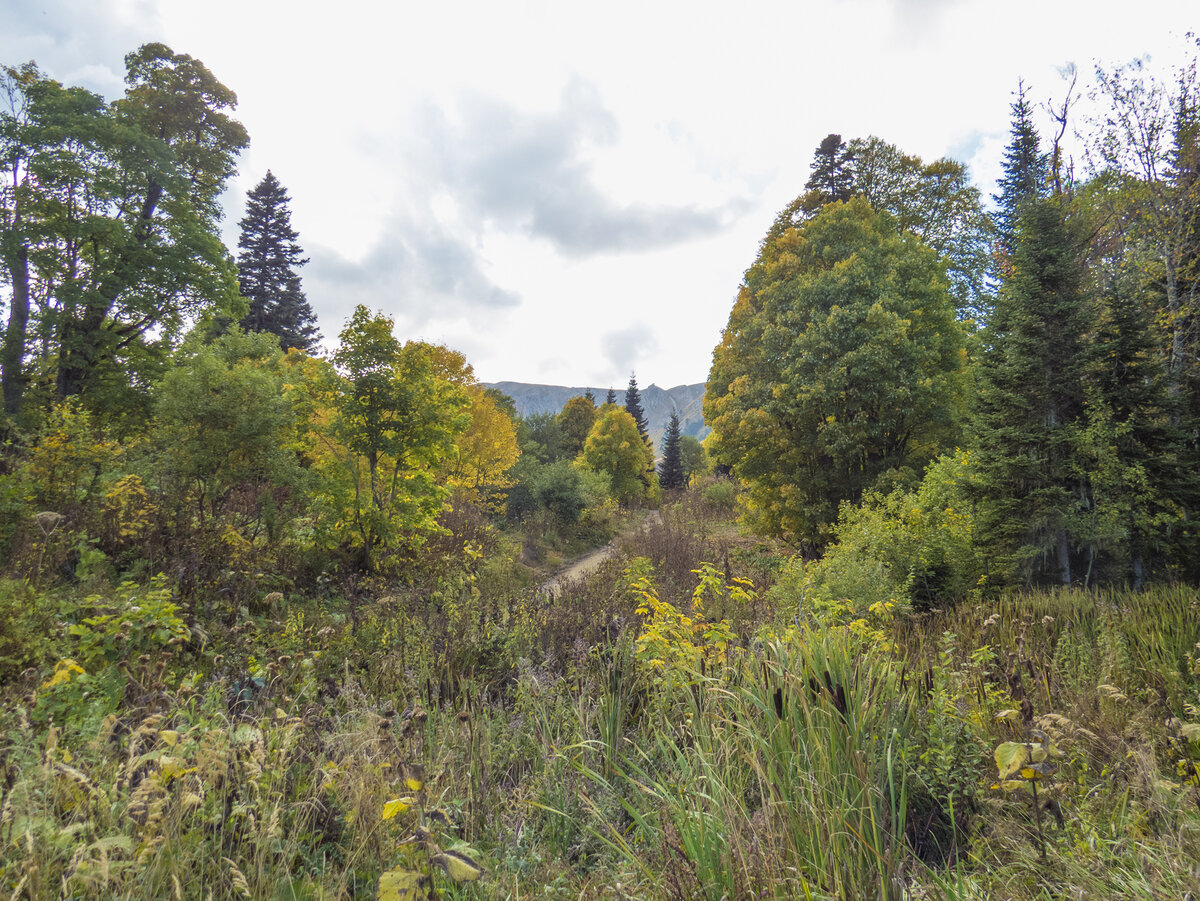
(1032, 403)
(633, 405)
(611, 397)
(591, 398)
(670, 467)
(1128, 455)
(1025, 171)
(832, 175)
(268, 257)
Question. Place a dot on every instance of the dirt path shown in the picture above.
(584, 566)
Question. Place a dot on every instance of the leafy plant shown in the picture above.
(426, 847)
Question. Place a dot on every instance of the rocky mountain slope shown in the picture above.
(657, 402)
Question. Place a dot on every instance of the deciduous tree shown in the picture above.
(487, 451)
(576, 419)
(842, 361)
(110, 213)
(389, 423)
(616, 448)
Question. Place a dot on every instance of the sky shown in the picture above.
(570, 192)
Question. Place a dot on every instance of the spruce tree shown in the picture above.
(832, 175)
(633, 405)
(611, 397)
(1131, 454)
(591, 398)
(1025, 171)
(268, 257)
(670, 467)
(1031, 405)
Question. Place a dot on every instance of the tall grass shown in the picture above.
(779, 776)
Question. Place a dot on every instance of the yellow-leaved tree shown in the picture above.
(381, 427)
(615, 448)
(487, 451)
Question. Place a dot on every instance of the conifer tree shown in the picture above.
(268, 257)
(832, 174)
(1032, 403)
(1128, 455)
(611, 397)
(1025, 173)
(633, 406)
(591, 398)
(670, 467)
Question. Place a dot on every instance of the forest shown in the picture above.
(919, 618)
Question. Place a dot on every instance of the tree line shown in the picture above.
(1000, 399)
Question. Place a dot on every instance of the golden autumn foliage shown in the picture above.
(487, 451)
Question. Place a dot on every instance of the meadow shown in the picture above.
(687, 722)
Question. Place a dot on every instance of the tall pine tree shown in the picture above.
(268, 257)
(832, 174)
(670, 468)
(633, 405)
(1025, 172)
(1031, 405)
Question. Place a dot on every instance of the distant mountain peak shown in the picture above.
(657, 402)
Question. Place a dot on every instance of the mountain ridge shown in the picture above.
(657, 403)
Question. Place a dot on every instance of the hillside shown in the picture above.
(657, 402)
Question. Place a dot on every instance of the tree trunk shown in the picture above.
(1175, 364)
(12, 355)
(1063, 553)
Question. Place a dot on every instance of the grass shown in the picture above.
(813, 760)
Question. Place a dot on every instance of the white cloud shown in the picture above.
(522, 180)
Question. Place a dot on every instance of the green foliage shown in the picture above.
(136, 620)
(936, 203)
(576, 419)
(1031, 405)
(115, 217)
(674, 644)
(223, 425)
(842, 361)
(268, 257)
(911, 546)
(542, 438)
(633, 405)
(30, 635)
(693, 459)
(390, 421)
(721, 494)
(1025, 175)
(615, 448)
(671, 474)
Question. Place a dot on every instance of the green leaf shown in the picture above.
(1011, 756)
(403, 885)
(458, 866)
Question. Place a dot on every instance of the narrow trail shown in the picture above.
(584, 566)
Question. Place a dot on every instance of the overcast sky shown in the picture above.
(568, 192)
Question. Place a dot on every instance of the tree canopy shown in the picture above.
(110, 215)
(842, 361)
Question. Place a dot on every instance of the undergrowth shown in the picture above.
(687, 723)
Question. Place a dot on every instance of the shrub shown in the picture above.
(721, 494)
(912, 546)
